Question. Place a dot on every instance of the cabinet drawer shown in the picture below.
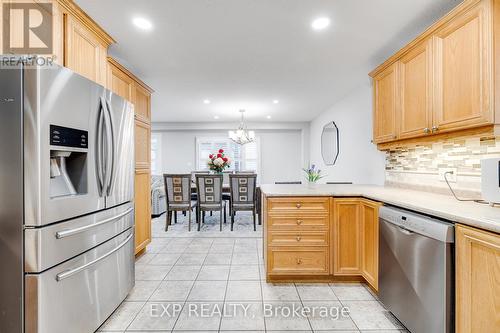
(298, 238)
(297, 222)
(298, 260)
(317, 205)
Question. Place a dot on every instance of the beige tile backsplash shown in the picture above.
(418, 166)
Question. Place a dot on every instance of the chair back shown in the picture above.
(243, 188)
(225, 176)
(209, 188)
(177, 188)
(288, 183)
(246, 172)
(194, 173)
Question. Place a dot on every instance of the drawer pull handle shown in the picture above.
(299, 261)
(299, 222)
(70, 272)
(298, 206)
(299, 238)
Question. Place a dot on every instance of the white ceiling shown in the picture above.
(246, 53)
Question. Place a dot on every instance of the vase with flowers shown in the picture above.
(218, 162)
(312, 175)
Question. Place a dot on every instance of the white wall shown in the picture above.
(359, 161)
(282, 150)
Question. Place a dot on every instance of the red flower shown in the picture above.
(219, 155)
(225, 159)
(221, 151)
(210, 156)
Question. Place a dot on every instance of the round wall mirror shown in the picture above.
(330, 147)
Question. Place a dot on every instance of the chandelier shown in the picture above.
(242, 136)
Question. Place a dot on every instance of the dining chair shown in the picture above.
(209, 188)
(178, 196)
(194, 195)
(243, 195)
(288, 183)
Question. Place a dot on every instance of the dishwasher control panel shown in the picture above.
(418, 223)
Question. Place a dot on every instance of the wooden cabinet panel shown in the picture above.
(386, 105)
(477, 281)
(299, 238)
(308, 205)
(298, 261)
(463, 70)
(415, 72)
(346, 237)
(142, 145)
(297, 223)
(120, 83)
(369, 242)
(142, 209)
(83, 51)
(142, 102)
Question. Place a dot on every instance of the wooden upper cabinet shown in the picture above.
(142, 145)
(385, 105)
(119, 82)
(463, 71)
(415, 70)
(477, 281)
(346, 237)
(142, 103)
(84, 53)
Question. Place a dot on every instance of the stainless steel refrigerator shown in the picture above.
(66, 200)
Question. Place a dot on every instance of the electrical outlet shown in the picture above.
(452, 176)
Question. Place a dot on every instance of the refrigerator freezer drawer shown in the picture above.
(48, 246)
(78, 296)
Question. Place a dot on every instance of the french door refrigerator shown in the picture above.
(66, 200)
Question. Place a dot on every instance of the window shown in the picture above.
(246, 157)
(156, 154)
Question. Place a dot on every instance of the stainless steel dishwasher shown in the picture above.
(416, 270)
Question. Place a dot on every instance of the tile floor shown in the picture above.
(212, 281)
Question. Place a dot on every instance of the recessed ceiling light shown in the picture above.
(320, 23)
(142, 23)
(276, 101)
(268, 117)
(206, 101)
(216, 117)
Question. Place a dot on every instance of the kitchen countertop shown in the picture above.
(442, 206)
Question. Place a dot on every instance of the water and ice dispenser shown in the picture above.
(68, 161)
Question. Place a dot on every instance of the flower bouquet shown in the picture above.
(312, 175)
(218, 162)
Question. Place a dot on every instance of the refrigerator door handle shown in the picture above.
(70, 272)
(111, 150)
(99, 148)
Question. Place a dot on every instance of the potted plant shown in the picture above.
(312, 175)
(218, 162)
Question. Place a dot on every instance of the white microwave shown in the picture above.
(490, 180)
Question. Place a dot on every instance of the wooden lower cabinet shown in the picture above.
(142, 209)
(477, 280)
(331, 238)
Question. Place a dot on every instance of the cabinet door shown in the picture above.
(346, 237)
(415, 92)
(477, 281)
(142, 104)
(463, 70)
(369, 242)
(142, 209)
(142, 145)
(385, 104)
(83, 52)
(120, 83)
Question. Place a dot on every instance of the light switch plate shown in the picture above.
(452, 177)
